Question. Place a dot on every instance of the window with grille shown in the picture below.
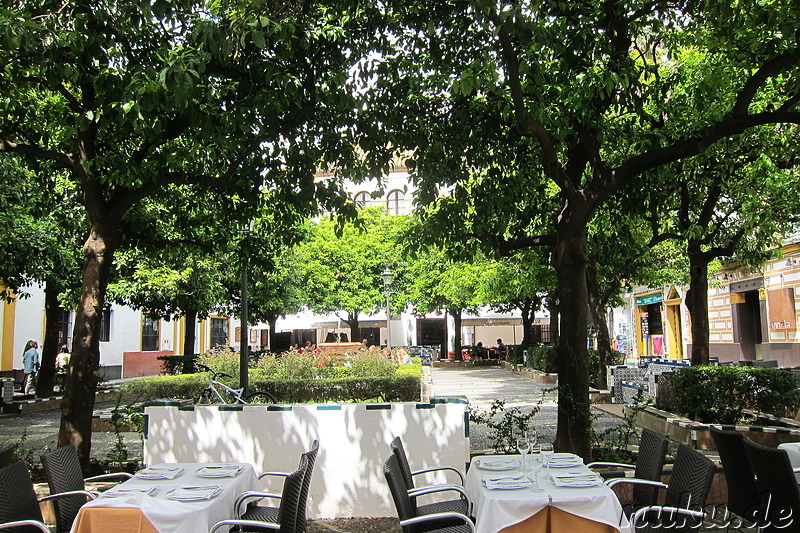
(394, 202)
(149, 334)
(64, 328)
(219, 332)
(105, 324)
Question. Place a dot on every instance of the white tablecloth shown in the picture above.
(183, 517)
(793, 449)
(496, 509)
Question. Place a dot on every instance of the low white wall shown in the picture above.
(354, 441)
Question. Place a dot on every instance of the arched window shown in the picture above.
(362, 199)
(394, 202)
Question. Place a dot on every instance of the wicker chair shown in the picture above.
(19, 508)
(411, 520)
(685, 497)
(285, 519)
(743, 497)
(649, 465)
(63, 470)
(777, 487)
(263, 513)
(460, 505)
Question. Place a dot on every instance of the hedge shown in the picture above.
(720, 394)
(401, 388)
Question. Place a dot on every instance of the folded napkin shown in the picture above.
(186, 494)
(219, 470)
(497, 464)
(568, 459)
(130, 491)
(503, 478)
(160, 472)
(575, 480)
(507, 484)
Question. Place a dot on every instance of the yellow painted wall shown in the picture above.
(9, 318)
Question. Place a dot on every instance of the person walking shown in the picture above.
(30, 366)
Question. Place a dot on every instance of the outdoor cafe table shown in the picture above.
(593, 509)
(138, 512)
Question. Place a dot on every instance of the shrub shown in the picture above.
(720, 394)
(371, 364)
(221, 360)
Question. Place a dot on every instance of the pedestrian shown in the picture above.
(30, 366)
(62, 359)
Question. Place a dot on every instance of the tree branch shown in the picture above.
(36, 152)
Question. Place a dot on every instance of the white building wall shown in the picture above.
(28, 321)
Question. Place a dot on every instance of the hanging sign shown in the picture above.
(649, 299)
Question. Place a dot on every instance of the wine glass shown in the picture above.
(523, 446)
(536, 466)
(547, 454)
(531, 435)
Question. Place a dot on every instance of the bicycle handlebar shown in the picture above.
(216, 374)
(223, 374)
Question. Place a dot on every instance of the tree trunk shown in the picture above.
(552, 306)
(569, 259)
(528, 314)
(355, 331)
(597, 308)
(697, 303)
(456, 314)
(81, 383)
(47, 371)
(272, 320)
(189, 337)
(603, 345)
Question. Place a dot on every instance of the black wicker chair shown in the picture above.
(63, 470)
(285, 520)
(19, 507)
(779, 507)
(460, 505)
(263, 513)
(411, 520)
(649, 465)
(743, 497)
(689, 485)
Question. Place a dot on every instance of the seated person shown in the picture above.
(478, 351)
(501, 349)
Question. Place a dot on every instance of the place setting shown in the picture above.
(194, 493)
(129, 491)
(159, 472)
(219, 470)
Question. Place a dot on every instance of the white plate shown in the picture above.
(213, 471)
(564, 464)
(193, 494)
(576, 480)
(497, 465)
(129, 491)
(508, 484)
(159, 473)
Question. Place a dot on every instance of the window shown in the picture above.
(219, 332)
(64, 328)
(362, 199)
(149, 334)
(394, 202)
(105, 324)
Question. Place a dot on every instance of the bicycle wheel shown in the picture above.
(205, 398)
(260, 397)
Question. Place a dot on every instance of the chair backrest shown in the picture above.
(397, 486)
(63, 471)
(17, 497)
(311, 455)
(689, 484)
(290, 497)
(777, 487)
(649, 465)
(743, 497)
(402, 460)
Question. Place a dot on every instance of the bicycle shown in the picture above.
(212, 395)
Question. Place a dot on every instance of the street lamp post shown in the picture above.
(387, 284)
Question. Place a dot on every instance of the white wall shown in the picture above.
(28, 321)
(354, 439)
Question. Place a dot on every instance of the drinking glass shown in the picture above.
(531, 435)
(547, 454)
(523, 446)
(536, 466)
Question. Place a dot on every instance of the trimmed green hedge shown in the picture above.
(720, 394)
(401, 388)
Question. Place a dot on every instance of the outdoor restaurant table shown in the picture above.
(138, 512)
(793, 449)
(557, 509)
